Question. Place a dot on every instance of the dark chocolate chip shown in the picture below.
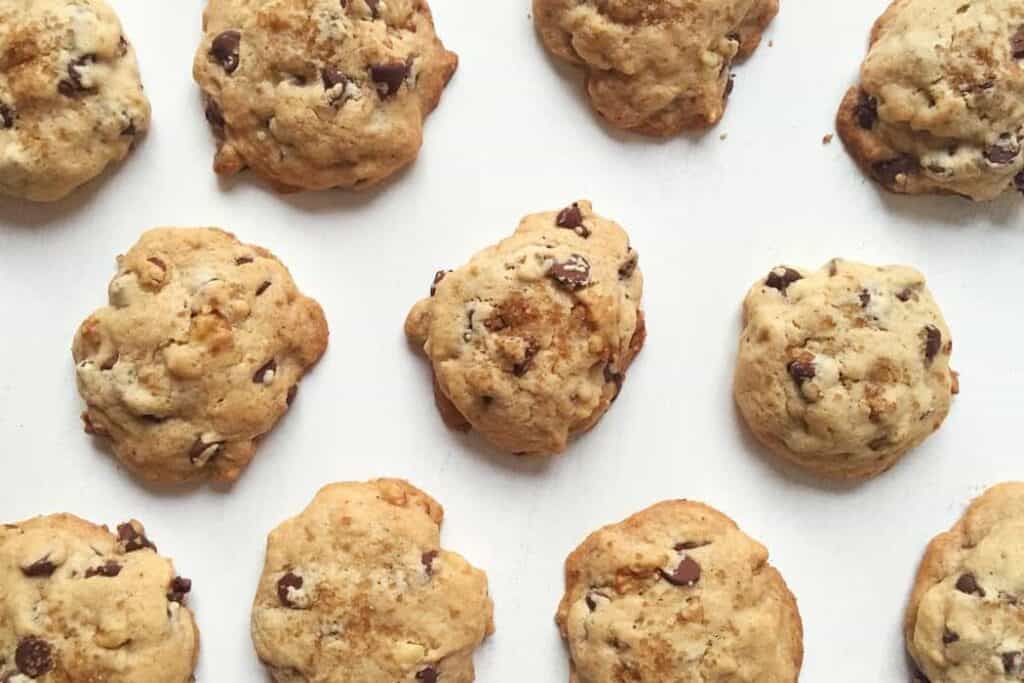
(591, 603)
(520, 368)
(428, 675)
(687, 573)
(72, 86)
(133, 539)
(571, 218)
(782, 277)
(7, 116)
(200, 448)
(968, 584)
(573, 273)
(690, 545)
(865, 298)
(801, 371)
(333, 77)
(215, 117)
(1017, 43)
(40, 568)
(292, 391)
(179, 588)
(888, 172)
(428, 561)
(242, 260)
(224, 49)
(389, 77)
(438, 276)
(34, 657)
(866, 111)
(949, 637)
(1004, 151)
(266, 370)
(284, 584)
(108, 569)
(932, 342)
(263, 287)
(1013, 662)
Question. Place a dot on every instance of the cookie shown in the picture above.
(357, 589)
(198, 354)
(843, 370)
(81, 604)
(656, 68)
(678, 593)
(963, 622)
(314, 94)
(530, 341)
(940, 105)
(71, 101)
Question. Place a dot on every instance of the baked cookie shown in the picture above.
(198, 354)
(940, 105)
(963, 624)
(843, 370)
(656, 67)
(81, 604)
(314, 94)
(357, 589)
(71, 102)
(530, 341)
(678, 593)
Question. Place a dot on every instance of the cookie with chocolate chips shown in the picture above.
(843, 370)
(198, 354)
(963, 623)
(530, 341)
(939, 104)
(83, 604)
(645, 597)
(315, 94)
(71, 102)
(357, 589)
(656, 68)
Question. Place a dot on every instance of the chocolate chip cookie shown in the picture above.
(357, 589)
(198, 354)
(82, 604)
(530, 341)
(314, 94)
(678, 593)
(963, 624)
(940, 105)
(656, 68)
(71, 101)
(843, 370)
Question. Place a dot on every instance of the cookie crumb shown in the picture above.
(827, 140)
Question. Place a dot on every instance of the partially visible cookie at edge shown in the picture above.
(197, 355)
(530, 341)
(83, 604)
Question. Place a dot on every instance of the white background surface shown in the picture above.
(514, 135)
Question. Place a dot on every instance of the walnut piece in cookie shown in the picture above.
(940, 103)
(644, 598)
(198, 354)
(843, 370)
(530, 341)
(963, 621)
(83, 604)
(315, 94)
(357, 589)
(71, 101)
(656, 68)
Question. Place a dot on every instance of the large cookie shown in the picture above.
(313, 94)
(357, 589)
(843, 370)
(530, 340)
(940, 105)
(71, 102)
(656, 67)
(678, 593)
(963, 624)
(197, 355)
(81, 605)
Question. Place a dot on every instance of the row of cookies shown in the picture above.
(328, 93)
(359, 582)
(204, 340)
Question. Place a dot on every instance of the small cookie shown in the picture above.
(530, 341)
(963, 624)
(357, 589)
(198, 354)
(81, 604)
(678, 593)
(71, 101)
(843, 370)
(656, 68)
(314, 94)
(940, 105)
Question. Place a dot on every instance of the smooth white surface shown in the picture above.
(514, 135)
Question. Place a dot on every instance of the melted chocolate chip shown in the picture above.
(265, 374)
(573, 273)
(438, 276)
(782, 280)
(72, 86)
(133, 539)
(932, 342)
(263, 287)
(40, 568)
(520, 368)
(866, 111)
(801, 371)
(7, 116)
(389, 77)
(427, 559)
(888, 172)
(108, 569)
(33, 657)
(969, 585)
(224, 50)
(428, 675)
(286, 583)
(687, 573)
(949, 637)
(571, 218)
(1017, 43)
(178, 589)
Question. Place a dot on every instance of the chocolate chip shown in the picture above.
(690, 545)
(571, 218)
(801, 371)
(427, 559)
(428, 675)
(865, 298)
(333, 77)
(292, 391)
(520, 368)
(286, 583)
(263, 287)
(374, 6)
(1018, 181)
(215, 117)
(1004, 151)
(72, 86)
(591, 603)
(1013, 662)
(265, 375)
(6, 116)
(389, 77)
(629, 266)
(179, 588)
(1017, 43)
(242, 260)
(129, 129)
(932, 342)
(224, 49)
(109, 569)
(438, 276)
(686, 574)
(202, 452)
(888, 172)
(969, 585)
(33, 657)
(573, 273)
(40, 568)
(781, 278)
(132, 538)
(949, 637)
(904, 294)
(866, 111)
